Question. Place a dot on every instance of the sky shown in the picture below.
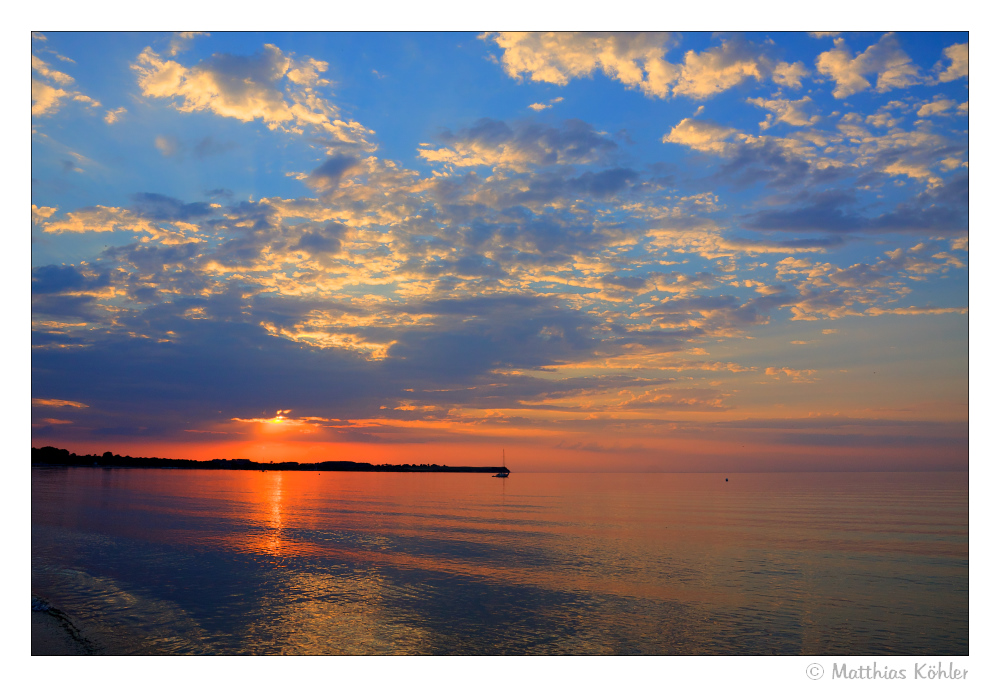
(645, 251)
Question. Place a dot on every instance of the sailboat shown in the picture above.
(504, 472)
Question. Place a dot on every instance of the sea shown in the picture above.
(180, 562)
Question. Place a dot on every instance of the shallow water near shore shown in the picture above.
(240, 562)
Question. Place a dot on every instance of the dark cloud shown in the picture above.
(56, 278)
(603, 184)
(574, 142)
(944, 209)
(160, 365)
(69, 307)
(718, 313)
(239, 76)
(327, 239)
(547, 187)
(767, 163)
(159, 207)
(525, 391)
(472, 336)
(328, 175)
(152, 258)
(223, 363)
(469, 266)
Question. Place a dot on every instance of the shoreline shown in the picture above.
(53, 633)
(49, 456)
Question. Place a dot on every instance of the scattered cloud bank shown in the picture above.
(525, 273)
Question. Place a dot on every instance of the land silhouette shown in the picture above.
(52, 456)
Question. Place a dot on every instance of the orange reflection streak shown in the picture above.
(308, 514)
(263, 509)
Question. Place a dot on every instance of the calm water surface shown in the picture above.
(229, 562)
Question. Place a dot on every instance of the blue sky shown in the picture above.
(622, 251)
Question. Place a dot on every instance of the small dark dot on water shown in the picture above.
(727, 479)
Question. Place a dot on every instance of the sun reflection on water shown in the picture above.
(303, 562)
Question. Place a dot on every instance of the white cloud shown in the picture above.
(959, 56)
(936, 107)
(104, 219)
(46, 98)
(715, 70)
(182, 39)
(495, 144)
(269, 86)
(702, 135)
(43, 68)
(538, 107)
(113, 116)
(881, 119)
(789, 75)
(794, 112)
(635, 59)
(39, 214)
(884, 59)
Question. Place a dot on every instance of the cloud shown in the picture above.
(112, 116)
(885, 59)
(159, 207)
(794, 112)
(168, 145)
(171, 146)
(329, 174)
(150, 215)
(40, 214)
(269, 86)
(66, 279)
(705, 74)
(940, 210)
(792, 374)
(41, 67)
(722, 315)
(494, 143)
(538, 107)
(489, 291)
(327, 239)
(47, 99)
(181, 41)
(810, 157)
(938, 106)
(915, 310)
(789, 75)
(57, 403)
(776, 161)
(702, 135)
(958, 54)
(637, 60)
